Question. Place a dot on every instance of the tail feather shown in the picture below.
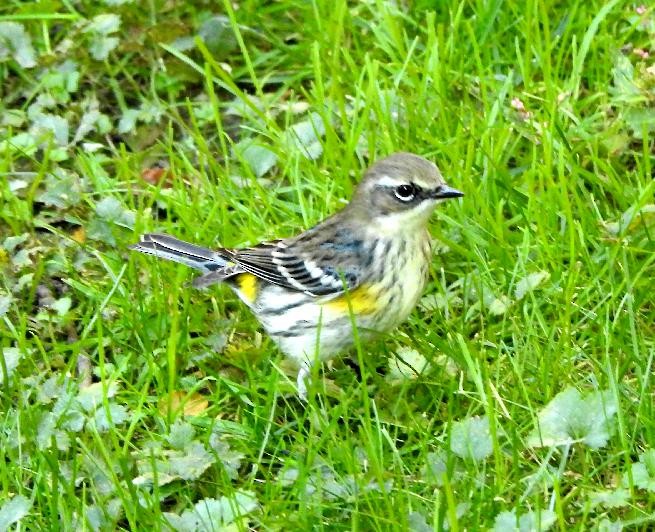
(168, 247)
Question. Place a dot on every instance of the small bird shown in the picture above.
(367, 264)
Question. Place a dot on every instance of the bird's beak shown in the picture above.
(446, 192)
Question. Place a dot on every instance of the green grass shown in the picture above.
(128, 397)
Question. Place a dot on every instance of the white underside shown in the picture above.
(329, 332)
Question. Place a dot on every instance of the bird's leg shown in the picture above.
(304, 374)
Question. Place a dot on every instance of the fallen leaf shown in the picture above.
(79, 235)
(157, 174)
(192, 404)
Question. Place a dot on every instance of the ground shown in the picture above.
(518, 396)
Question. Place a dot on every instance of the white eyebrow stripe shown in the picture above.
(387, 181)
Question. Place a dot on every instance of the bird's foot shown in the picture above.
(301, 382)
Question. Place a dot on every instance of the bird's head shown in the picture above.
(400, 192)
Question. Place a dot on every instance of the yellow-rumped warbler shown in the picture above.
(368, 263)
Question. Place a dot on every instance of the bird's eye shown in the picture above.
(405, 192)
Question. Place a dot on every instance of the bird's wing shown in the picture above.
(286, 263)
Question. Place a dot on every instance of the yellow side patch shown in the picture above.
(247, 284)
(362, 300)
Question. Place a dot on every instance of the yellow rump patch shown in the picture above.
(247, 283)
(362, 300)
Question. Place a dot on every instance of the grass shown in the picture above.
(130, 399)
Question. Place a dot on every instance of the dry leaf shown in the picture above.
(190, 404)
(79, 235)
(157, 174)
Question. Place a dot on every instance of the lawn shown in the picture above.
(519, 394)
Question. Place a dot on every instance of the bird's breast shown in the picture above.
(405, 277)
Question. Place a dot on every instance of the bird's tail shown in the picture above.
(168, 247)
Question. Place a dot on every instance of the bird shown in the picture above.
(364, 268)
